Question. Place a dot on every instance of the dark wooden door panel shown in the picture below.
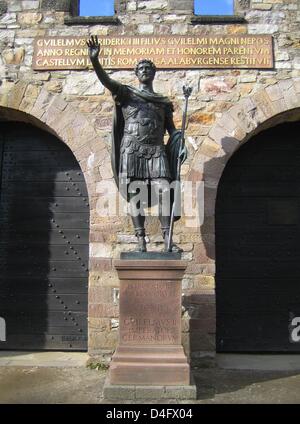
(67, 220)
(48, 205)
(23, 285)
(257, 244)
(45, 341)
(13, 253)
(42, 189)
(44, 225)
(37, 302)
(65, 237)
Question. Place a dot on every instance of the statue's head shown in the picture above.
(145, 70)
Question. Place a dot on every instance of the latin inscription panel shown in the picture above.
(167, 52)
(150, 312)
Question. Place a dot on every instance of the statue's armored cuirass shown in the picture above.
(144, 121)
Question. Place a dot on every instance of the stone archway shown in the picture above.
(33, 104)
(268, 107)
(44, 246)
(257, 232)
(24, 102)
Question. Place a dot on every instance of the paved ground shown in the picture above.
(64, 379)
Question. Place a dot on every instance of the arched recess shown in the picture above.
(265, 108)
(257, 248)
(50, 112)
(59, 311)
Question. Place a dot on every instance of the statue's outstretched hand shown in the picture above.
(94, 47)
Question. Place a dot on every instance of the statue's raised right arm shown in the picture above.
(94, 50)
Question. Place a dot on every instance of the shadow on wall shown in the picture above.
(201, 307)
(44, 242)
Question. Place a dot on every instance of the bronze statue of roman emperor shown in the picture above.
(139, 155)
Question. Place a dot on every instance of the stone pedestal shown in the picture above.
(150, 351)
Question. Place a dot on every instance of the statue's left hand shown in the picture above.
(183, 154)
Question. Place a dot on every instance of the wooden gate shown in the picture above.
(44, 222)
(257, 245)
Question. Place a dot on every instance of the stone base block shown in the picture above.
(159, 392)
(149, 365)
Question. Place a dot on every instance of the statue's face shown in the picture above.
(145, 73)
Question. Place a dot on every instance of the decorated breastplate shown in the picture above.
(144, 122)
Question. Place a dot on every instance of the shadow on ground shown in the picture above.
(52, 385)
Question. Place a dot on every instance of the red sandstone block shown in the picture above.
(204, 253)
(204, 269)
(103, 310)
(207, 298)
(100, 264)
(100, 295)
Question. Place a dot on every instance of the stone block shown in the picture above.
(263, 102)
(149, 392)
(201, 269)
(103, 310)
(130, 392)
(13, 56)
(291, 99)
(297, 85)
(218, 133)
(3, 7)
(9, 19)
(30, 97)
(100, 295)
(181, 393)
(131, 6)
(216, 85)
(42, 103)
(99, 324)
(100, 264)
(152, 5)
(179, 29)
(54, 86)
(29, 18)
(83, 84)
(99, 340)
(263, 28)
(242, 4)
(16, 96)
(30, 4)
(71, 6)
(100, 250)
(204, 253)
(179, 5)
(118, 392)
(263, 6)
(146, 29)
(200, 282)
(274, 92)
(202, 118)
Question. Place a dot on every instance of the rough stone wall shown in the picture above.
(226, 107)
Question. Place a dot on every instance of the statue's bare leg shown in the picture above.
(162, 189)
(138, 220)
